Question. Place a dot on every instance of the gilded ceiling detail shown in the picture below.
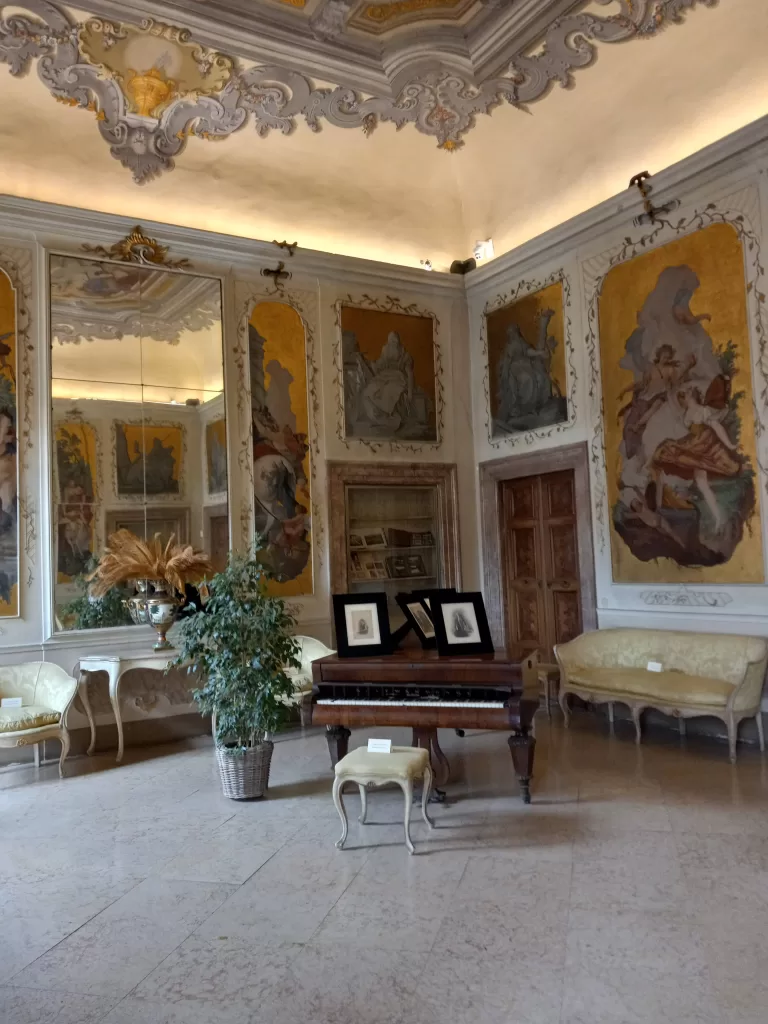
(151, 85)
(400, 9)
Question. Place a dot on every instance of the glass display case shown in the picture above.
(397, 532)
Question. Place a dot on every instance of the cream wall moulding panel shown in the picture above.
(145, 113)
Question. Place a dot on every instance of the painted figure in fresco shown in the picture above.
(217, 461)
(279, 476)
(686, 489)
(381, 398)
(140, 473)
(75, 530)
(527, 395)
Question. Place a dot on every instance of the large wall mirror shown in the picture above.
(139, 431)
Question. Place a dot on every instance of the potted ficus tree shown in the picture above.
(241, 644)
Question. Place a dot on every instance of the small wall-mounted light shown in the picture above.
(427, 264)
(483, 250)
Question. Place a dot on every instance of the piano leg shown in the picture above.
(338, 742)
(522, 746)
(427, 739)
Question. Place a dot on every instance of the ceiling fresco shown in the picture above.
(431, 64)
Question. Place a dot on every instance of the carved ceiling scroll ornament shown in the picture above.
(150, 86)
(137, 247)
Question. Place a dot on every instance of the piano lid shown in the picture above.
(414, 665)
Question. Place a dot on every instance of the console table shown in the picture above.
(115, 669)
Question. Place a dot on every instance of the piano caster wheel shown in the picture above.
(525, 788)
(460, 732)
(437, 796)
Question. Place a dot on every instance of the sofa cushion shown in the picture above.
(33, 716)
(661, 687)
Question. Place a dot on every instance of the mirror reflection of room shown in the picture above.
(138, 421)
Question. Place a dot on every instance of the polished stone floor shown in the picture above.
(633, 890)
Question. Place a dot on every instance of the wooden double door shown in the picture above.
(541, 562)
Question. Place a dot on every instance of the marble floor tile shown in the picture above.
(202, 969)
(657, 940)
(117, 948)
(636, 996)
(631, 891)
(39, 1006)
(330, 986)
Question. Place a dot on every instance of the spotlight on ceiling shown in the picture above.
(483, 250)
(427, 264)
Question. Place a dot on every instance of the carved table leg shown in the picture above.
(82, 692)
(114, 698)
(522, 746)
(338, 742)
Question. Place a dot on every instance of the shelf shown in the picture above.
(397, 547)
(395, 579)
(388, 520)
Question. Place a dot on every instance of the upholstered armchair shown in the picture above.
(46, 693)
(311, 650)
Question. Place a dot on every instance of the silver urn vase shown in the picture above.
(156, 605)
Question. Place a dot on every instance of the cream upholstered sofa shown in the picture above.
(46, 693)
(701, 674)
(311, 650)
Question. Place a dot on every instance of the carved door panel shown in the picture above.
(562, 594)
(541, 562)
(524, 569)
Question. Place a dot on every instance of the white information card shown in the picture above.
(379, 746)
(10, 702)
(655, 666)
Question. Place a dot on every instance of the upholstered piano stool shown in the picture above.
(364, 768)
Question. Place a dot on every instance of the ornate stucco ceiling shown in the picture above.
(433, 64)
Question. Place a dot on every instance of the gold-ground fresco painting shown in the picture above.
(148, 458)
(280, 425)
(679, 422)
(526, 363)
(76, 475)
(9, 479)
(216, 456)
(388, 375)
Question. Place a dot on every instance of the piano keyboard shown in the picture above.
(416, 703)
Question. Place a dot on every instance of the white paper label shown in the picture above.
(10, 702)
(379, 746)
(654, 666)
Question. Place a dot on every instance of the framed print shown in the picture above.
(374, 539)
(418, 617)
(356, 541)
(461, 625)
(362, 625)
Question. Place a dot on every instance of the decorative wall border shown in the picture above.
(686, 598)
(389, 304)
(741, 211)
(17, 264)
(443, 102)
(305, 304)
(525, 287)
(149, 499)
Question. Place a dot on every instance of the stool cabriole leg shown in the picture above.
(363, 801)
(407, 788)
(426, 788)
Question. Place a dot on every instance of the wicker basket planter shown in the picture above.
(245, 776)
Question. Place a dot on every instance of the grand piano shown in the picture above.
(425, 692)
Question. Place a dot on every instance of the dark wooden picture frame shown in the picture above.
(469, 611)
(373, 616)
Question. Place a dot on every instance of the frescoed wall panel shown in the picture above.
(77, 482)
(679, 426)
(526, 363)
(280, 430)
(389, 375)
(9, 477)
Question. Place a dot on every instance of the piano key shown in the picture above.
(415, 703)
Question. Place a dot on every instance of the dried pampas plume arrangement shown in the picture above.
(127, 557)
